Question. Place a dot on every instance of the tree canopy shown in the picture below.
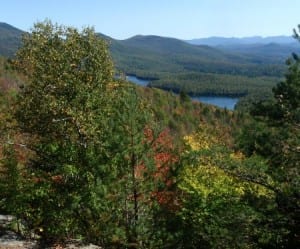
(87, 156)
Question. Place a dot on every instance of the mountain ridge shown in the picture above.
(225, 41)
(170, 60)
(10, 39)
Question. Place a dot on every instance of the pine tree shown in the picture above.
(277, 139)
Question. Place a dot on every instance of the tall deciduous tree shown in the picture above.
(98, 168)
(64, 109)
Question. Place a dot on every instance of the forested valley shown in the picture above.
(88, 156)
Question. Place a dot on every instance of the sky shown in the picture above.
(182, 19)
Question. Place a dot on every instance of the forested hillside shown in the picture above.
(90, 158)
(10, 39)
(172, 64)
(199, 70)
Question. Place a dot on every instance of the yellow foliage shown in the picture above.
(113, 85)
(205, 137)
(196, 144)
(237, 155)
(208, 178)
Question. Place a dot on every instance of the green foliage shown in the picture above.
(245, 103)
(61, 109)
(10, 39)
(197, 84)
(10, 180)
(159, 54)
(83, 155)
(221, 209)
(183, 117)
(73, 206)
(174, 65)
(145, 160)
(277, 139)
(198, 70)
(96, 166)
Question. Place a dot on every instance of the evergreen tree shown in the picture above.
(143, 160)
(277, 139)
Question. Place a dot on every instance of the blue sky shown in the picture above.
(184, 19)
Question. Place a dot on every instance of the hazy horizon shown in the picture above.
(191, 19)
(195, 38)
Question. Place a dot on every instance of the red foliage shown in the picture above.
(57, 179)
(164, 157)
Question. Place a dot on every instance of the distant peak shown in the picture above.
(223, 41)
(7, 26)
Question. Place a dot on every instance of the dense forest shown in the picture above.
(174, 65)
(246, 71)
(10, 39)
(86, 156)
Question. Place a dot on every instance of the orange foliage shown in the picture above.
(57, 179)
(164, 157)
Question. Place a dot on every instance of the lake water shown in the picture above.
(223, 102)
(136, 80)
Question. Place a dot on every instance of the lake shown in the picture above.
(223, 102)
(137, 80)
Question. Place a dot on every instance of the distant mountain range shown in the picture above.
(10, 39)
(222, 66)
(150, 56)
(232, 41)
(252, 49)
(145, 55)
